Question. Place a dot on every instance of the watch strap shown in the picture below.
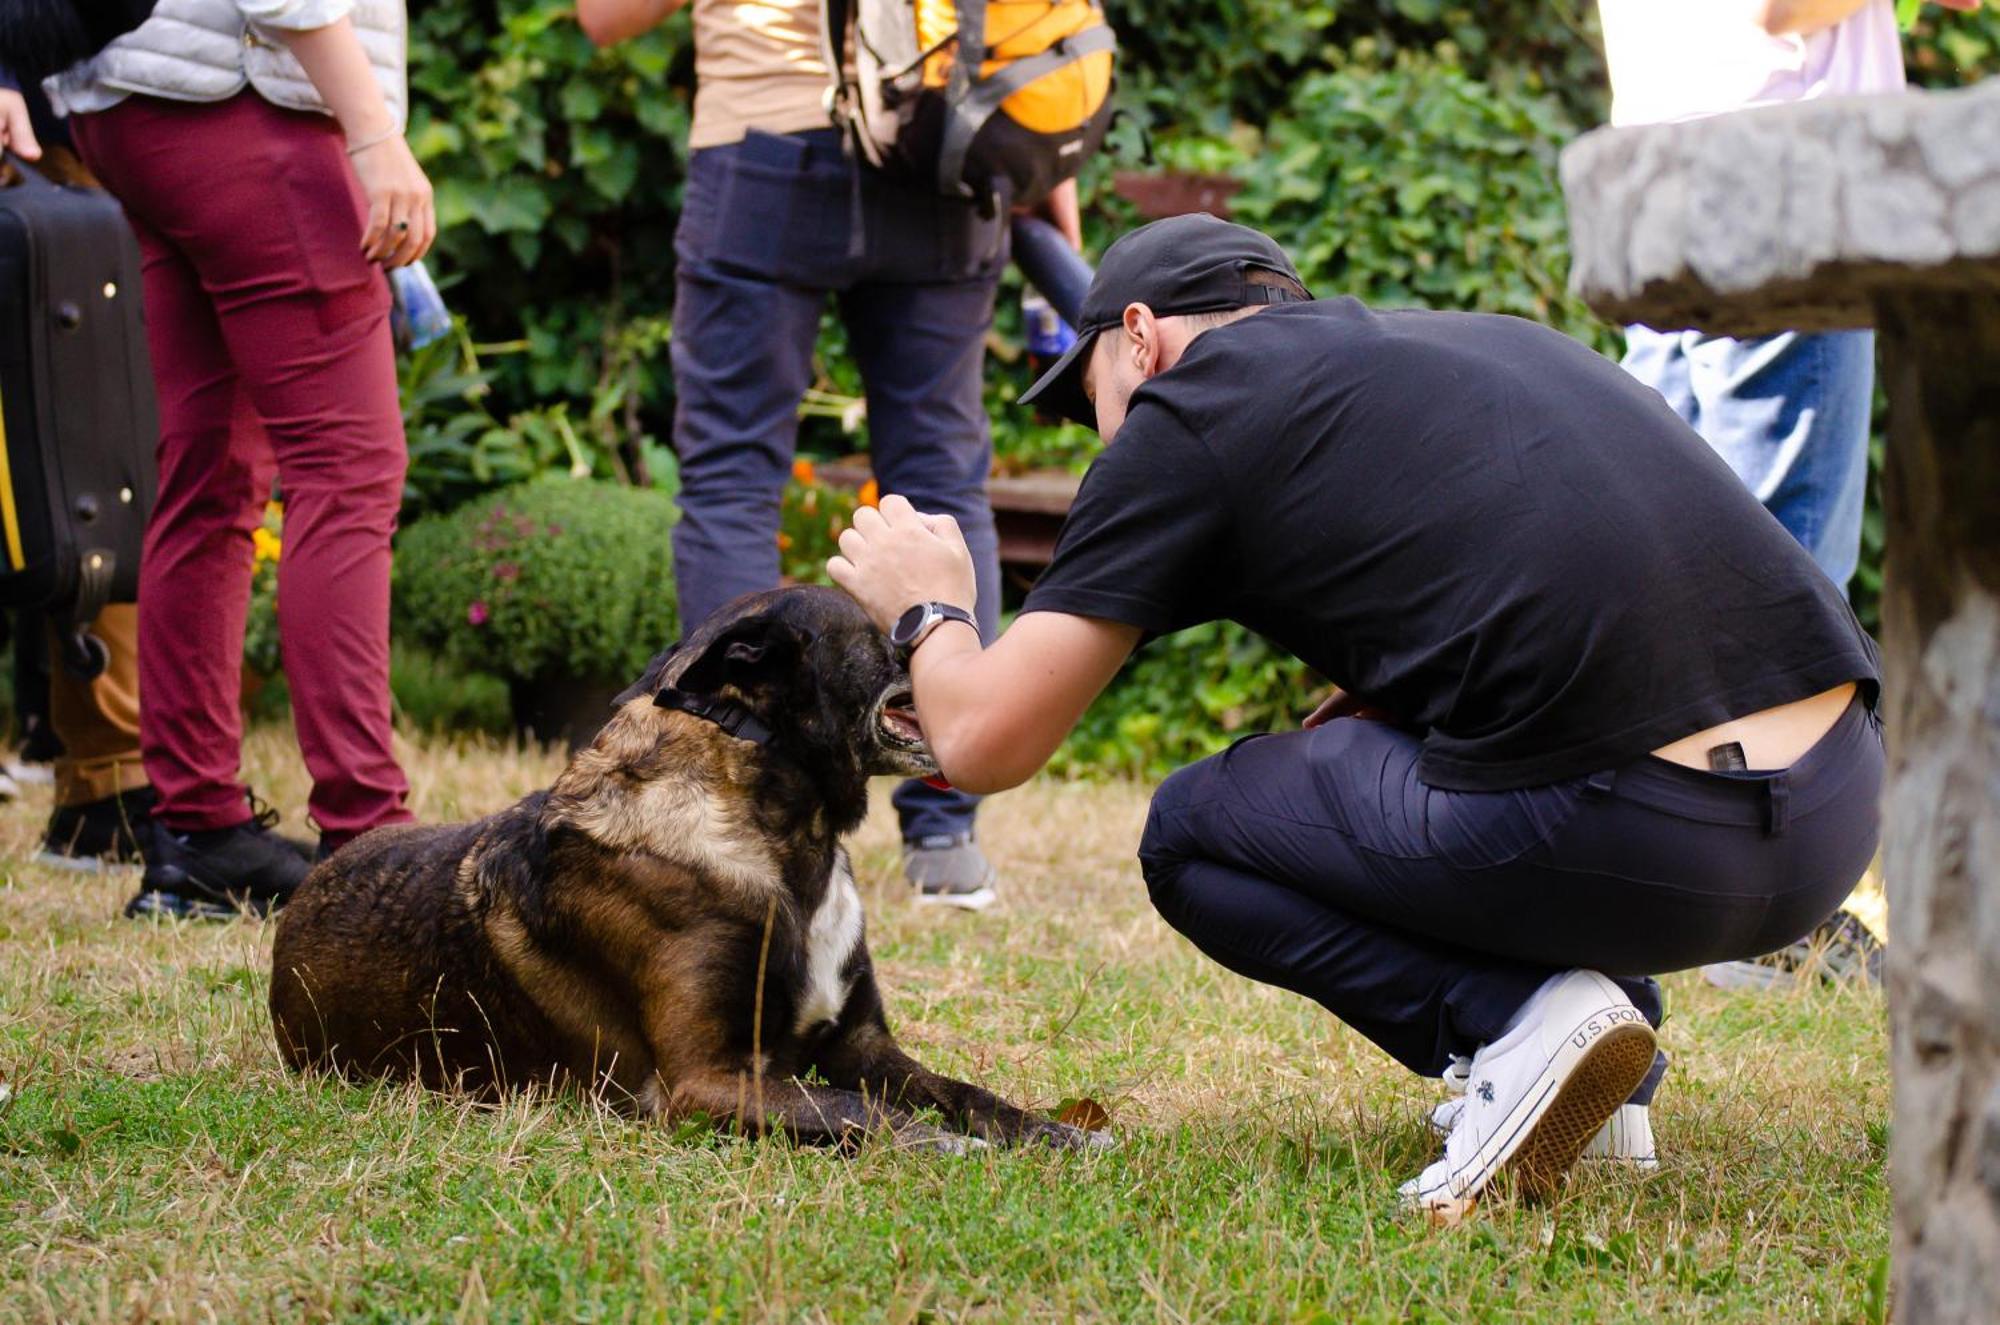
(935, 615)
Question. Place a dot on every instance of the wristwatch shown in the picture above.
(915, 625)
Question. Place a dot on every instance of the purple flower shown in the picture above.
(476, 614)
(506, 572)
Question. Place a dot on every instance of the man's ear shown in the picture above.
(1142, 336)
(755, 650)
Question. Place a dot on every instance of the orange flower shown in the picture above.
(784, 541)
(802, 470)
(871, 493)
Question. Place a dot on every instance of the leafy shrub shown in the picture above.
(1185, 697)
(434, 696)
(559, 578)
(1418, 185)
(558, 170)
(458, 449)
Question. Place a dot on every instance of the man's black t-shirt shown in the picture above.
(1470, 521)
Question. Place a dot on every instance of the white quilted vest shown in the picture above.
(204, 50)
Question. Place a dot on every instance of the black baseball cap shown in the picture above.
(1185, 264)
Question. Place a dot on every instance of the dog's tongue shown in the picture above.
(906, 720)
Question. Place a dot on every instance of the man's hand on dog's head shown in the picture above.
(894, 557)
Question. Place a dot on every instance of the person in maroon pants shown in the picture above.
(267, 204)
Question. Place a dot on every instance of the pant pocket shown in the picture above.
(782, 212)
(1478, 830)
(328, 215)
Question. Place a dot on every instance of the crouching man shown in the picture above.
(1599, 717)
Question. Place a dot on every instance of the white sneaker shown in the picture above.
(1626, 1139)
(1534, 1097)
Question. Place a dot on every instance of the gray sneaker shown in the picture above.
(949, 869)
(1841, 950)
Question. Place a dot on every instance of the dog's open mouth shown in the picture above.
(898, 721)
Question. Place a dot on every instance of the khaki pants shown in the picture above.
(98, 721)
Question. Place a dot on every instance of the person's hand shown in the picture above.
(894, 557)
(17, 131)
(402, 221)
(1340, 704)
(1061, 210)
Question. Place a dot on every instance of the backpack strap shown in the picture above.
(971, 48)
(968, 110)
(842, 94)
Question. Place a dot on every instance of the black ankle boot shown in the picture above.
(218, 873)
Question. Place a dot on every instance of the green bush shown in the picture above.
(435, 696)
(551, 580)
(558, 170)
(1185, 697)
(1420, 186)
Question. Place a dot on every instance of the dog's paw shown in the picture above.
(1061, 1136)
(935, 1140)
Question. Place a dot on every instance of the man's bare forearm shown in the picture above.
(993, 716)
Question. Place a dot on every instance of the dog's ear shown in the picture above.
(751, 652)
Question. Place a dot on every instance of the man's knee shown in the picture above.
(1165, 844)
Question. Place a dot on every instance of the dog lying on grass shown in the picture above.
(672, 925)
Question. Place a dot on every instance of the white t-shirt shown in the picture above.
(1682, 59)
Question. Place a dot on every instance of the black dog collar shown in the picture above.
(727, 714)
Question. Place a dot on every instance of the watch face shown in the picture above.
(908, 624)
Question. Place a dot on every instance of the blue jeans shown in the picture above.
(1789, 413)
(769, 228)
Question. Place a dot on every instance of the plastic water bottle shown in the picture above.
(1049, 337)
(417, 316)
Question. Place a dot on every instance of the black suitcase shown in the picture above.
(78, 424)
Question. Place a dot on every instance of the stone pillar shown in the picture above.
(1941, 633)
(1843, 213)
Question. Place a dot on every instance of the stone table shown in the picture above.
(1846, 213)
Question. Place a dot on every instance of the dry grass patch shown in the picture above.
(157, 1162)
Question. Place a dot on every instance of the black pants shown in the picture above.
(1424, 918)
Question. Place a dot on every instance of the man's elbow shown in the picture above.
(973, 763)
(1778, 18)
(599, 23)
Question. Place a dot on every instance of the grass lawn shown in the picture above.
(158, 1162)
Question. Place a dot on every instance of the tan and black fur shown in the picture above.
(608, 933)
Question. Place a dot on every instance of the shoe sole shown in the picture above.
(1603, 1079)
(150, 905)
(1646, 1163)
(1581, 1087)
(977, 900)
(56, 860)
